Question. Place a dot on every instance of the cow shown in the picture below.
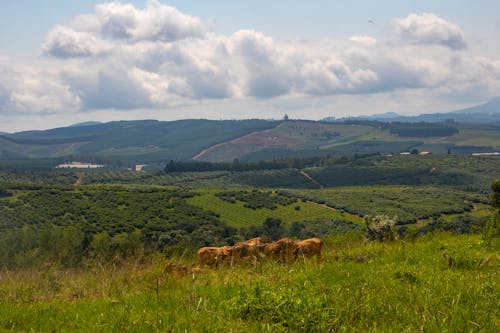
(257, 241)
(212, 256)
(308, 248)
(282, 249)
(251, 249)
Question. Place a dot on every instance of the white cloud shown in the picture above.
(430, 29)
(156, 22)
(123, 58)
(365, 40)
(33, 89)
(64, 42)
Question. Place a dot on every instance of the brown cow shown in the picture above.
(308, 248)
(282, 249)
(250, 250)
(257, 241)
(212, 256)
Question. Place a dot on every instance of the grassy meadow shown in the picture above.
(437, 283)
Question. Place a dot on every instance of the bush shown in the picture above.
(381, 227)
(491, 231)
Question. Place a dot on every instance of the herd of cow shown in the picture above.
(285, 250)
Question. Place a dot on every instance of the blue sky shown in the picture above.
(25, 23)
(234, 59)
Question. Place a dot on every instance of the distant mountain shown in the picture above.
(487, 113)
(4, 133)
(87, 123)
(135, 141)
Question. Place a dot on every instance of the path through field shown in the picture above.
(79, 180)
(305, 174)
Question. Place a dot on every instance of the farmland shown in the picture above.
(236, 214)
(91, 250)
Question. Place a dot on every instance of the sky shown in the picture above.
(69, 61)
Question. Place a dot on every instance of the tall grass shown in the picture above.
(438, 283)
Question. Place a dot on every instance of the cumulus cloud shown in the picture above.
(430, 29)
(108, 87)
(65, 42)
(155, 22)
(33, 89)
(123, 57)
(115, 23)
(365, 40)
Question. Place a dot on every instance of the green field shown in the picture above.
(440, 283)
(235, 214)
(407, 203)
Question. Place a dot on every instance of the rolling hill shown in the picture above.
(135, 141)
(473, 130)
(308, 138)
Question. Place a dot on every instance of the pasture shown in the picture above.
(438, 283)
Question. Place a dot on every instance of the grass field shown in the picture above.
(235, 214)
(439, 283)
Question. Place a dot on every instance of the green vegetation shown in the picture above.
(256, 199)
(436, 283)
(77, 257)
(461, 172)
(406, 203)
(133, 141)
(472, 174)
(124, 143)
(491, 232)
(418, 130)
(236, 214)
(36, 177)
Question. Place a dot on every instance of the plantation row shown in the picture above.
(256, 199)
(408, 204)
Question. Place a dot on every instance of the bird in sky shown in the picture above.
(371, 21)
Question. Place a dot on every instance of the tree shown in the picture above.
(273, 228)
(491, 231)
(495, 196)
(4, 192)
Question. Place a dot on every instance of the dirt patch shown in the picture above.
(263, 139)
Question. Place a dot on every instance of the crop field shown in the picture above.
(407, 203)
(439, 283)
(236, 214)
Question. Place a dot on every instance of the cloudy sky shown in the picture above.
(68, 61)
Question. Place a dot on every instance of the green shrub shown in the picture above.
(381, 227)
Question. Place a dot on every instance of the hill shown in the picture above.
(135, 141)
(125, 143)
(301, 139)
(486, 113)
(86, 123)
